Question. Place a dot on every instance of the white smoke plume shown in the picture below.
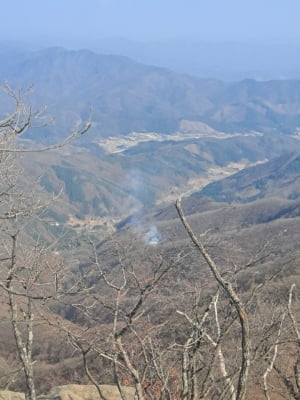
(153, 236)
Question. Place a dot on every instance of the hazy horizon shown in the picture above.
(78, 23)
(227, 40)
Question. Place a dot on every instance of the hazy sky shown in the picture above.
(61, 22)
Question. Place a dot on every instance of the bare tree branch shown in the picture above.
(227, 286)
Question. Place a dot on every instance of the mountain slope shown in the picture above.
(127, 96)
(277, 178)
(99, 179)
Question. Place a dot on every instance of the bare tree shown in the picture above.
(285, 362)
(27, 276)
(236, 301)
(212, 357)
(141, 342)
(210, 341)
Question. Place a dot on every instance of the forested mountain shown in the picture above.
(156, 133)
(127, 96)
(279, 178)
(100, 280)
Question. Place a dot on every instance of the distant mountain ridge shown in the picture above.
(127, 96)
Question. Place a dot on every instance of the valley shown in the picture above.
(104, 280)
(189, 130)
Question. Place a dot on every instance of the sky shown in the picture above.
(78, 22)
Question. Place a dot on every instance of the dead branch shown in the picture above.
(227, 287)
